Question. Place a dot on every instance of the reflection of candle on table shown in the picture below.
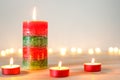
(59, 71)
(10, 69)
(92, 67)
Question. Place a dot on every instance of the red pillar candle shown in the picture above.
(92, 67)
(35, 28)
(59, 71)
(10, 69)
(35, 37)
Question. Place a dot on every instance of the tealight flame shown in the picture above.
(11, 61)
(60, 64)
(93, 60)
(34, 13)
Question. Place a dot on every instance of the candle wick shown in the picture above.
(10, 65)
(59, 67)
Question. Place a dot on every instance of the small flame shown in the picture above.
(11, 61)
(60, 64)
(93, 60)
(34, 13)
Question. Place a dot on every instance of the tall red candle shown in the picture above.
(35, 43)
(92, 67)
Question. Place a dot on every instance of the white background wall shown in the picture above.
(72, 23)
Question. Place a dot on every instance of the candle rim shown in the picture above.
(57, 68)
(8, 66)
(35, 21)
(92, 63)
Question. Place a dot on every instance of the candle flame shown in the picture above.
(60, 64)
(34, 13)
(11, 61)
(93, 60)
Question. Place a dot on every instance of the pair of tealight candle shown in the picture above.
(60, 71)
(10, 69)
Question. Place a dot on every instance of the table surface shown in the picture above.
(110, 68)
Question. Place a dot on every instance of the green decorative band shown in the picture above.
(35, 64)
(34, 41)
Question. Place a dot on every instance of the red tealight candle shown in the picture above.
(92, 67)
(59, 71)
(10, 69)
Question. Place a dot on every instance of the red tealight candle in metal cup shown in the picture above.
(10, 69)
(59, 71)
(92, 67)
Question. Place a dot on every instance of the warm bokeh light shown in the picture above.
(91, 51)
(20, 51)
(116, 50)
(97, 50)
(119, 52)
(11, 50)
(7, 51)
(79, 50)
(50, 50)
(73, 50)
(3, 53)
(110, 50)
(34, 13)
(63, 51)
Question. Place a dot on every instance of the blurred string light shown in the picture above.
(63, 51)
(116, 49)
(20, 51)
(50, 50)
(97, 50)
(79, 50)
(3, 53)
(91, 51)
